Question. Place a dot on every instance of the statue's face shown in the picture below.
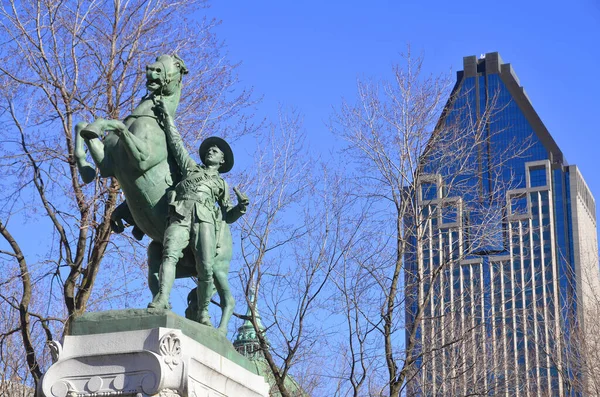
(214, 156)
(163, 76)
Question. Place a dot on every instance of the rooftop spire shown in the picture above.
(246, 342)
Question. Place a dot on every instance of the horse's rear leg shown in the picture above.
(221, 279)
(154, 260)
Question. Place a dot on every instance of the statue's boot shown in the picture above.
(167, 277)
(205, 292)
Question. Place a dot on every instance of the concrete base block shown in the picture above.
(159, 361)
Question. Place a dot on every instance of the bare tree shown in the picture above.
(431, 207)
(574, 348)
(292, 240)
(64, 62)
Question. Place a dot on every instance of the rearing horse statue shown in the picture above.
(135, 153)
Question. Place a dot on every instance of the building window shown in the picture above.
(537, 176)
(518, 204)
(449, 213)
(428, 191)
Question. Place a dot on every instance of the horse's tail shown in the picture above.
(86, 170)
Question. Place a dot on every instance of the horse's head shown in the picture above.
(164, 76)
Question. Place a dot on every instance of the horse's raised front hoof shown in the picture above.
(91, 131)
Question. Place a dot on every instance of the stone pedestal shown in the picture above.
(142, 353)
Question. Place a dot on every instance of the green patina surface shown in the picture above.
(141, 319)
(169, 197)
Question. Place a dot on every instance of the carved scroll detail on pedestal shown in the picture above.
(55, 350)
(126, 384)
(170, 349)
(107, 375)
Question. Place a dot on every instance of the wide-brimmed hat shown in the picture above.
(225, 148)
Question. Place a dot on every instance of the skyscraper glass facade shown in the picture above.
(498, 254)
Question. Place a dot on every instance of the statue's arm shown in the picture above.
(233, 213)
(176, 146)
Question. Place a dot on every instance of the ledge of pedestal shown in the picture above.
(147, 352)
(140, 319)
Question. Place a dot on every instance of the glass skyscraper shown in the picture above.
(503, 271)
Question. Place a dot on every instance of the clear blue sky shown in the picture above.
(308, 55)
